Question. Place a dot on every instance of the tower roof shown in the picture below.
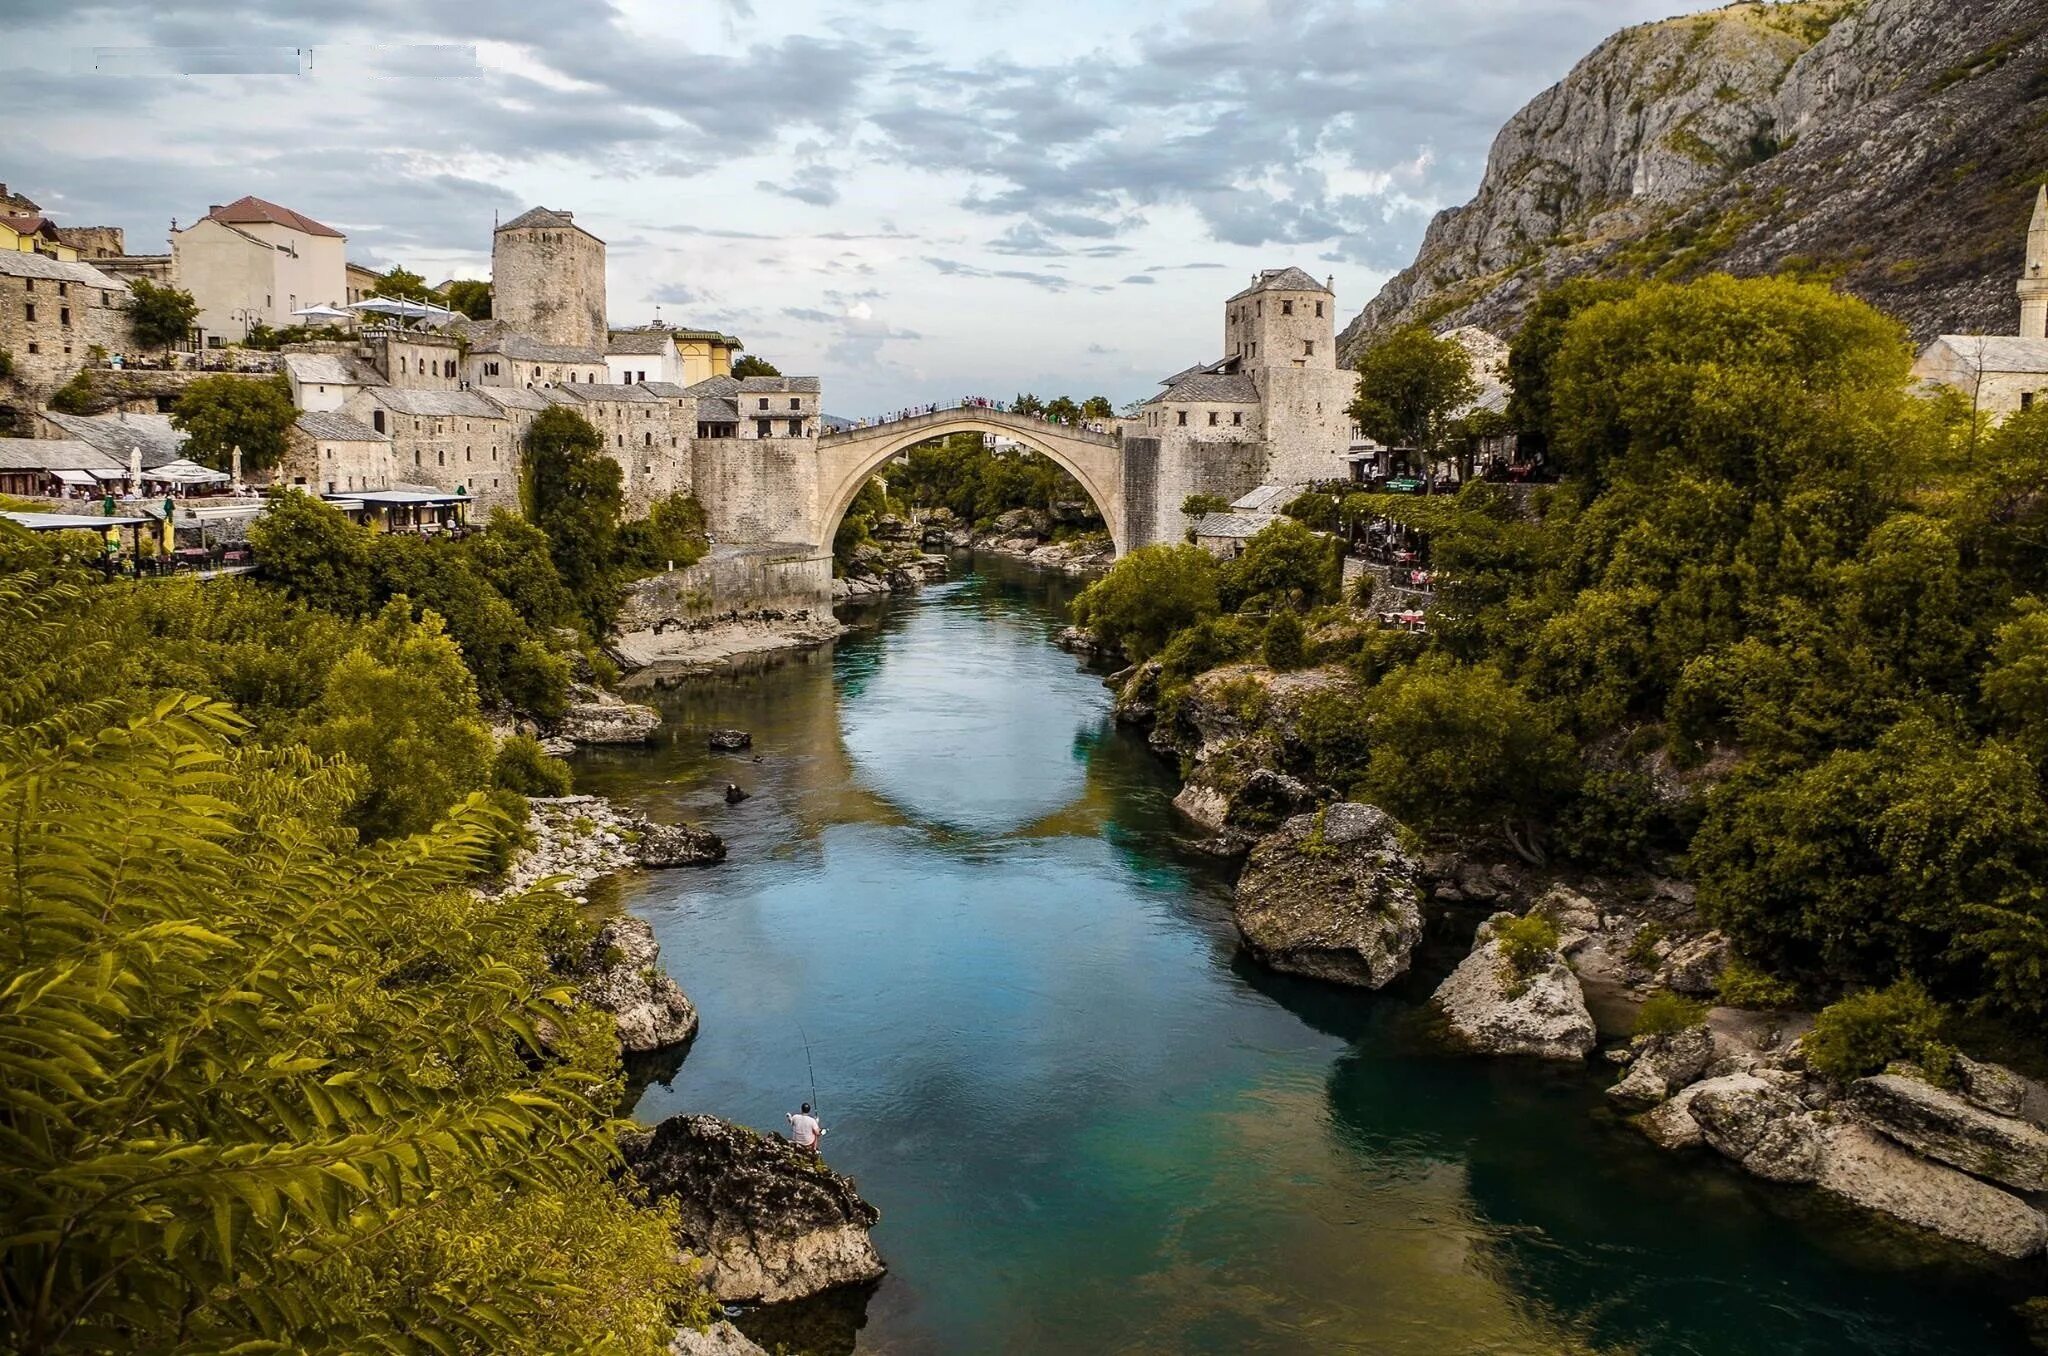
(544, 219)
(250, 210)
(1282, 280)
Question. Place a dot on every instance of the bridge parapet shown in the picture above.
(1029, 425)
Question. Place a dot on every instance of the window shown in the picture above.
(106, 298)
(401, 364)
(31, 312)
(1183, 420)
(34, 347)
(63, 289)
(1237, 417)
(466, 456)
(214, 341)
(416, 456)
(536, 374)
(795, 403)
(1308, 348)
(28, 284)
(377, 420)
(63, 315)
(764, 402)
(761, 429)
(1286, 308)
(2026, 400)
(1319, 310)
(621, 439)
(1213, 418)
(1261, 310)
(649, 439)
(440, 457)
(1255, 351)
(796, 428)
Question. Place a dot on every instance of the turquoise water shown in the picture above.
(1092, 1126)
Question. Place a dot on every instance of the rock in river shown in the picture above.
(663, 845)
(1941, 1125)
(1331, 895)
(769, 1221)
(1863, 1166)
(730, 741)
(606, 719)
(720, 1339)
(1497, 1011)
(621, 973)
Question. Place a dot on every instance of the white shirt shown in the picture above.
(807, 1129)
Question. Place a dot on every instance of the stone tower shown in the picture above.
(547, 279)
(2034, 281)
(1284, 319)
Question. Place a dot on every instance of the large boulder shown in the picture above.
(1943, 1126)
(1862, 1166)
(621, 973)
(1240, 803)
(1991, 1086)
(1331, 895)
(598, 717)
(720, 1339)
(1670, 1125)
(1498, 1011)
(1663, 1065)
(769, 1221)
(1694, 965)
(1760, 1125)
(664, 845)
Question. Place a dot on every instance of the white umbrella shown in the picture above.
(322, 312)
(399, 309)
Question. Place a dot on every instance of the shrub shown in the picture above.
(1744, 985)
(1331, 730)
(1286, 644)
(1527, 943)
(1147, 596)
(1864, 1032)
(1665, 1013)
(75, 396)
(521, 765)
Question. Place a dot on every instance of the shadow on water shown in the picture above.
(1092, 1123)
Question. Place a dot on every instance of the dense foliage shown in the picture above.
(978, 484)
(160, 315)
(1782, 616)
(271, 1087)
(221, 413)
(1409, 385)
(471, 296)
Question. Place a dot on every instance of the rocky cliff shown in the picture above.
(1890, 147)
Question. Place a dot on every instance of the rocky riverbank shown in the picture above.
(1339, 892)
(575, 842)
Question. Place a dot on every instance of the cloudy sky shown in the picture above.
(916, 199)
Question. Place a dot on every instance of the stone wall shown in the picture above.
(757, 489)
(745, 579)
(478, 453)
(94, 242)
(48, 326)
(336, 465)
(1308, 431)
(548, 282)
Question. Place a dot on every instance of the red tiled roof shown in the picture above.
(29, 223)
(256, 209)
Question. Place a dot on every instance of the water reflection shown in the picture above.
(1092, 1125)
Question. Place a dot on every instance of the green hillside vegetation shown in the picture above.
(1766, 557)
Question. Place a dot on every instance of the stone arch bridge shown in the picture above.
(846, 459)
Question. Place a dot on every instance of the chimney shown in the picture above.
(212, 208)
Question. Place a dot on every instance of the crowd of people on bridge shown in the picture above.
(976, 403)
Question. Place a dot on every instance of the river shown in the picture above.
(1091, 1125)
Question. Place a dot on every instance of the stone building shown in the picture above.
(2000, 375)
(329, 452)
(645, 355)
(95, 242)
(548, 280)
(498, 354)
(777, 407)
(253, 262)
(1272, 410)
(648, 429)
(53, 312)
(448, 439)
(358, 282)
(322, 379)
(705, 354)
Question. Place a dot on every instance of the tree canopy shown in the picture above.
(573, 495)
(748, 365)
(471, 296)
(1409, 384)
(160, 315)
(402, 284)
(221, 413)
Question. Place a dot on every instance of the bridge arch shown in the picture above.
(848, 458)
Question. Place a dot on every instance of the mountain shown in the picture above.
(1891, 147)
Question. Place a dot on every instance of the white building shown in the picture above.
(253, 262)
(634, 356)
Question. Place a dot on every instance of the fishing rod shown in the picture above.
(810, 1068)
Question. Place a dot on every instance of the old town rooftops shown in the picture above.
(770, 385)
(1282, 280)
(633, 343)
(435, 404)
(1203, 388)
(117, 434)
(337, 426)
(544, 219)
(251, 210)
(17, 264)
(712, 387)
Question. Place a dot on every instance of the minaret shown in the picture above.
(2034, 282)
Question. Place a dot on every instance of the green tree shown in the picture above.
(1285, 646)
(160, 316)
(1097, 407)
(516, 557)
(218, 414)
(572, 492)
(1286, 565)
(402, 284)
(522, 766)
(471, 296)
(1409, 384)
(403, 709)
(1026, 403)
(1062, 410)
(672, 533)
(314, 553)
(1201, 505)
(512, 666)
(289, 1093)
(1459, 747)
(1536, 346)
(1147, 596)
(748, 365)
